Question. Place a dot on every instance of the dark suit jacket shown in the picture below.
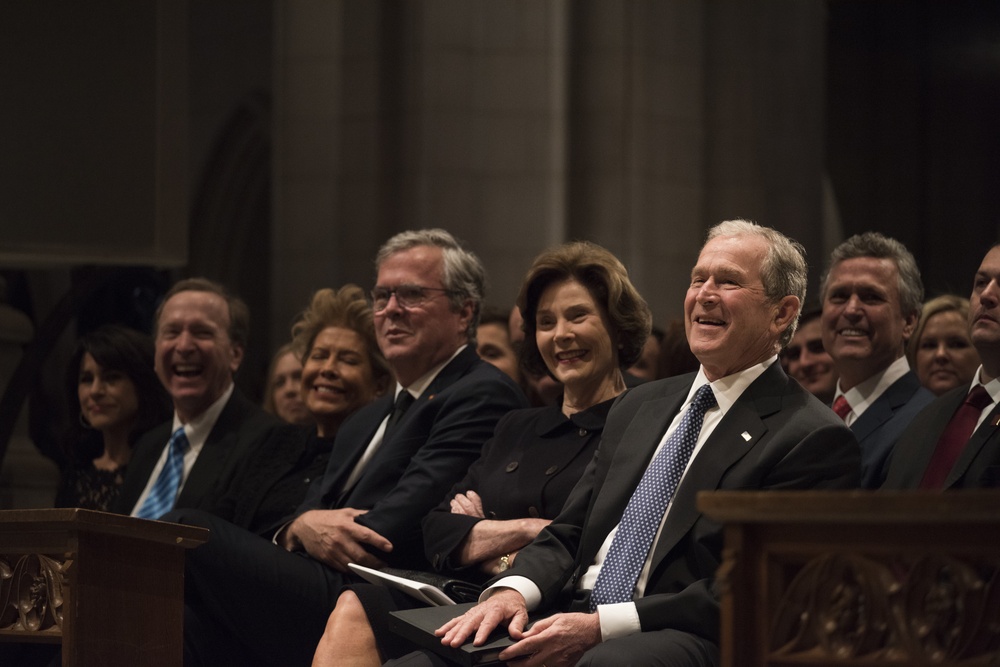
(241, 426)
(430, 448)
(878, 429)
(977, 466)
(272, 480)
(795, 442)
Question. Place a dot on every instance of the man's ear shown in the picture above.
(237, 357)
(909, 325)
(786, 312)
(466, 312)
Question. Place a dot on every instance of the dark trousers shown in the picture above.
(659, 648)
(250, 602)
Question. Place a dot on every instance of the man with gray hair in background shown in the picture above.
(872, 296)
(250, 601)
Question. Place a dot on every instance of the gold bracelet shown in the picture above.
(504, 562)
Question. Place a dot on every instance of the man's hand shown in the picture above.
(557, 640)
(504, 606)
(334, 538)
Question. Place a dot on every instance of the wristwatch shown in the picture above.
(504, 562)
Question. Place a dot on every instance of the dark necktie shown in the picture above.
(641, 519)
(402, 404)
(954, 437)
(164, 492)
(842, 407)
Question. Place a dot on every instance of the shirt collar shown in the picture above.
(418, 386)
(197, 429)
(728, 389)
(865, 393)
(591, 419)
(992, 387)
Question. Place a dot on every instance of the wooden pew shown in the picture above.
(109, 588)
(858, 578)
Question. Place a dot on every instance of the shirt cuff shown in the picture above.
(526, 587)
(618, 620)
(275, 539)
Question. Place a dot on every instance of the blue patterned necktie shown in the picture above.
(641, 519)
(161, 497)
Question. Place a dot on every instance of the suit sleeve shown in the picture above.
(444, 531)
(463, 423)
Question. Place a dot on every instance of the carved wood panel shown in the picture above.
(32, 593)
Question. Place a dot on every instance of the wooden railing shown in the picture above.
(109, 588)
(858, 578)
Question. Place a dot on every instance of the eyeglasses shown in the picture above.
(407, 296)
(793, 352)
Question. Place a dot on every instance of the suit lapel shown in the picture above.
(738, 432)
(450, 374)
(628, 463)
(986, 431)
(885, 406)
(350, 444)
(919, 454)
(213, 454)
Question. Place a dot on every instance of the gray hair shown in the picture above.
(783, 271)
(464, 274)
(873, 244)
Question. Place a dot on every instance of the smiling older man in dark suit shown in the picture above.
(639, 590)
(251, 601)
(201, 334)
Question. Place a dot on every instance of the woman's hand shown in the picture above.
(469, 504)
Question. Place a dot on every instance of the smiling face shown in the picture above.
(945, 356)
(809, 363)
(417, 338)
(730, 323)
(493, 346)
(108, 399)
(286, 384)
(337, 378)
(574, 339)
(195, 359)
(984, 314)
(864, 328)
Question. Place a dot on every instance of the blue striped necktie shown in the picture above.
(164, 492)
(644, 512)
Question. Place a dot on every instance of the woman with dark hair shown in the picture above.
(111, 378)
(584, 323)
(342, 371)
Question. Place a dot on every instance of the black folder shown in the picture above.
(418, 626)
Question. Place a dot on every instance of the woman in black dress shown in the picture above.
(584, 322)
(111, 378)
(342, 371)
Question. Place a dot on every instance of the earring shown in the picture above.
(83, 421)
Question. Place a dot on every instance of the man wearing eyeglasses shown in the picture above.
(250, 601)
(806, 360)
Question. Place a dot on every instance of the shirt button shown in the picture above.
(583, 432)
(512, 466)
(551, 470)
(533, 512)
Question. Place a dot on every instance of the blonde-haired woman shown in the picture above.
(342, 371)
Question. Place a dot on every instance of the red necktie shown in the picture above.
(842, 407)
(952, 441)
